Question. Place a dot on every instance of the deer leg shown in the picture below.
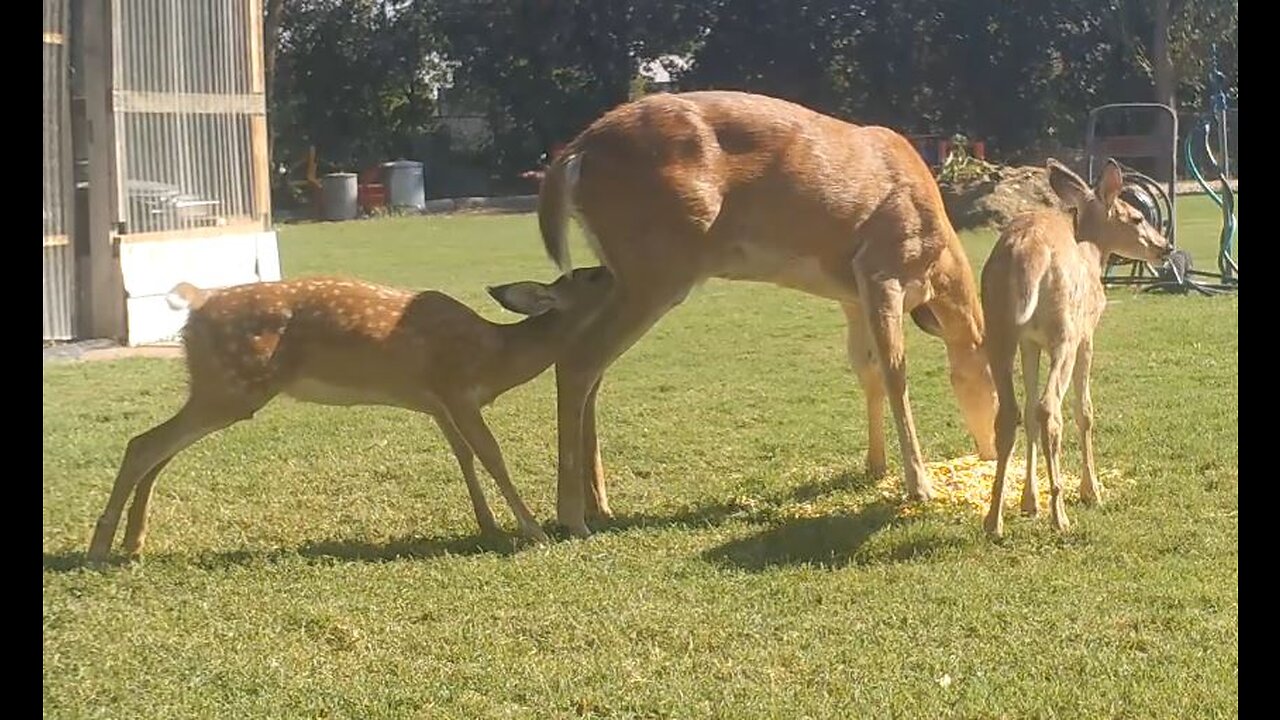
(883, 307)
(471, 425)
(1006, 429)
(625, 317)
(144, 457)
(1031, 421)
(466, 462)
(135, 530)
(862, 356)
(1061, 360)
(594, 491)
(1090, 489)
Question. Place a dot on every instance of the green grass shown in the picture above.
(317, 562)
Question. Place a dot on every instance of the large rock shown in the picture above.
(992, 199)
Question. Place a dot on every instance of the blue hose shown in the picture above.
(1226, 240)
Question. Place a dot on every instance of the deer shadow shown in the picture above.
(716, 513)
(831, 542)
(340, 549)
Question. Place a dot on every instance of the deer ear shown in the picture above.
(526, 297)
(1110, 184)
(1067, 185)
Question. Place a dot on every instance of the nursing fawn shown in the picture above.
(344, 342)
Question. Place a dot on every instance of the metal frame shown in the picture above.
(1151, 145)
(1176, 274)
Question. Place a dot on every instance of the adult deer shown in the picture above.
(335, 341)
(673, 189)
(1042, 289)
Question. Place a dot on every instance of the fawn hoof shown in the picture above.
(573, 522)
(533, 533)
(921, 492)
(1060, 522)
(1091, 496)
(133, 545)
(100, 545)
(1030, 507)
(876, 469)
(97, 555)
(578, 530)
(994, 526)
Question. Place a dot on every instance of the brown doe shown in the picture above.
(1042, 290)
(344, 342)
(672, 189)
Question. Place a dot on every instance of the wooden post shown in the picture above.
(260, 151)
(101, 284)
(261, 169)
(257, 79)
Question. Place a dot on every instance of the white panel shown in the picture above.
(152, 269)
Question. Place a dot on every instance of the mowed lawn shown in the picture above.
(324, 563)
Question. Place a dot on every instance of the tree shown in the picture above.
(359, 78)
(775, 47)
(273, 12)
(543, 70)
(355, 78)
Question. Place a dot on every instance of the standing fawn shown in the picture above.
(344, 342)
(1042, 289)
(673, 189)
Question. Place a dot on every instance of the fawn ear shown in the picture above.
(526, 297)
(1067, 185)
(1110, 183)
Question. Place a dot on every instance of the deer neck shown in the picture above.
(531, 346)
(1094, 254)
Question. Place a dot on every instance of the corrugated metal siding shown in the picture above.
(59, 257)
(184, 96)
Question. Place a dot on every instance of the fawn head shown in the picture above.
(576, 291)
(1103, 218)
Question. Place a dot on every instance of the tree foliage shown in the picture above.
(366, 79)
